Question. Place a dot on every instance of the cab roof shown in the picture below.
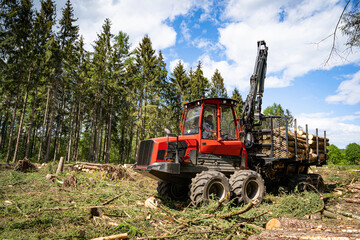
(219, 100)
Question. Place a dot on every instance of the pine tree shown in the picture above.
(146, 63)
(101, 64)
(178, 94)
(217, 88)
(240, 106)
(68, 34)
(198, 83)
(159, 90)
(17, 51)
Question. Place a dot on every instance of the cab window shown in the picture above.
(228, 131)
(192, 121)
(209, 126)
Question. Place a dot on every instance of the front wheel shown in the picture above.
(209, 185)
(246, 186)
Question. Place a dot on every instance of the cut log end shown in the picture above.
(273, 224)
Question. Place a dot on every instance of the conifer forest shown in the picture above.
(60, 100)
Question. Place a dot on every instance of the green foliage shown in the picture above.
(352, 153)
(336, 156)
(179, 94)
(128, 228)
(350, 27)
(349, 156)
(199, 84)
(278, 110)
(240, 106)
(217, 88)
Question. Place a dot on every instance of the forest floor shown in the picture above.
(93, 204)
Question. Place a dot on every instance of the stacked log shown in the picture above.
(280, 148)
(112, 172)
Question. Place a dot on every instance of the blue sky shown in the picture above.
(223, 35)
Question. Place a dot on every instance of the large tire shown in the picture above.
(209, 185)
(318, 182)
(246, 186)
(300, 182)
(172, 191)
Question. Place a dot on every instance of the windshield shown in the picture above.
(192, 121)
(228, 131)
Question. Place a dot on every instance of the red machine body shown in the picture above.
(177, 159)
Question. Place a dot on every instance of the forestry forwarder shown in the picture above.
(217, 153)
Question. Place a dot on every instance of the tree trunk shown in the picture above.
(31, 123)
(129, 145)
(70, 136)
(44, 122)
(56, 144)
(22, 118)
(105, 141)
(33, 143)
(52, 115)
(60, 128)
(144, 121)
(121, 144)
(98, 133)
(109, 133)
(4, 123)
(91, 137)
(100, 144)
(138, 130)
(60, 166)
(77, 133)
(12, 129)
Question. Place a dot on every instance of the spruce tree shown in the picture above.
(102, 65)
(146, 63)
(199, 84)
(178, 95)
(240, 106)
(68, 35)
(217, 88)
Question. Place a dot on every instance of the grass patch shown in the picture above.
(29, 192)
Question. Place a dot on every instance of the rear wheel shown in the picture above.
(300, 182)
(172, 191)
(209, 185)
(247, 185)
(318, 182)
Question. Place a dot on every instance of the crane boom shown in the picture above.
(251, 115)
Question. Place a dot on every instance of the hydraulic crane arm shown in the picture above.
(251, 115)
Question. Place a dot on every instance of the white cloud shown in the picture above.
(227, 70)
(290, 30)
(338, 129)
(185, 31)
(205, 44)
(348, 91)
(135, 17)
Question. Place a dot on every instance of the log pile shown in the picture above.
(112, 172)
(263, 139)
